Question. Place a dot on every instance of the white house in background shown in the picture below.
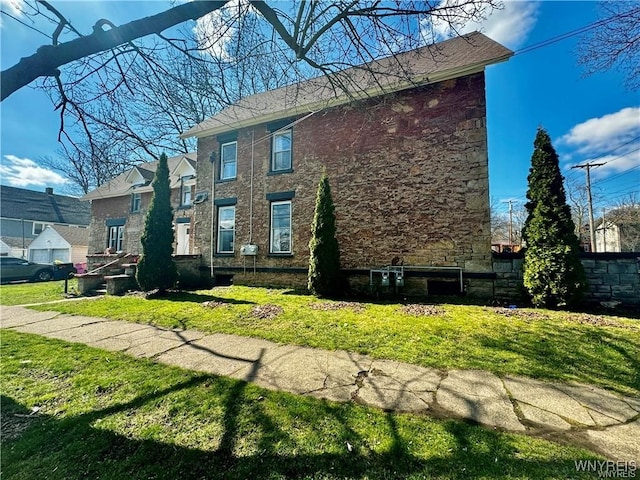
(60, 244)
(14, 247)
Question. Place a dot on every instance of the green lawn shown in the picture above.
(595, 349)
(26, 293)
(71, 411)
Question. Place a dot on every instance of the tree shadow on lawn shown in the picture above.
(579, 353)
(188, 296)
(75, 448)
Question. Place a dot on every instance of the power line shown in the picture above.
(573, 33)
(26, 24)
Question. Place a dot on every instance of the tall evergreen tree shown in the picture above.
(324, 258)
(156, 268)
(553, 274)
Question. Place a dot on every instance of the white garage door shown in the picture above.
(42, 255)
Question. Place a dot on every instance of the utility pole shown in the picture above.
(510, 223)
(592, 233)
(604, 231)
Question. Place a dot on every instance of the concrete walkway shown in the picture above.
(580, 414)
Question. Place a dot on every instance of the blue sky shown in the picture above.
(588, 119)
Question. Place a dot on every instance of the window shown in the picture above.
(185, 195)
(281, 151)
(116, 235)
(38, 227)
(136, 202)
(281, 227)
(226, 229)
(228, 160)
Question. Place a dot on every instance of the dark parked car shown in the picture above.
(12, 269)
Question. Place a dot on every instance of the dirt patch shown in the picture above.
(213, 304)
(266, 312)
(599, 321)
(518, 313)
(422, 310)
(334, 306)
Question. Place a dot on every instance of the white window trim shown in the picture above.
(219, 228)
(135, 195)
(272, 229)
(222, 163)
(33, 227)
(288, 132)
(183, 190)
(119, 230)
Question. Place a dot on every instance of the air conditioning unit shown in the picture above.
(249, 250)
(200, 197)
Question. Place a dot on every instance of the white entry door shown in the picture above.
(182, 238)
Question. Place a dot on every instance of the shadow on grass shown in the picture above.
(187, 296)
(585, 354)
(75, 448)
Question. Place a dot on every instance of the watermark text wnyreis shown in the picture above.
(608, 468)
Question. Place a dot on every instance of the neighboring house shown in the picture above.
(119, 207)
(24, 214)
(60, 244)
(406, 156)
(620, 232)
(14, 247)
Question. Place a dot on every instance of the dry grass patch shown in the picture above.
(421, 309)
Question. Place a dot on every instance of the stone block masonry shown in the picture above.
(408, 173)
(611, 276)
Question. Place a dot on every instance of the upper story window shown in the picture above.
(280, 227)
(136, 202)
(185, 195)
(228, 160)
(38, 227)
(281, 151)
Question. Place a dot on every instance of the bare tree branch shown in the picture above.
(48, 58)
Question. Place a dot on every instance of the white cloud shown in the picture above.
(601, 134)
(613, 140)
(14, 7)
(510, 25)
(23, 172)
(216, 30)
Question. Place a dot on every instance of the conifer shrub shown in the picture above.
(553, 274)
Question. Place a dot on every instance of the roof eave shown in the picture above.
(371, 93)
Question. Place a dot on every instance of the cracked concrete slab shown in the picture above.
(600, 400)
(57, 323)
(619, 442)
(304, 370)
(547, 397)
(409, 377)
(480, 396)
(542, 418)
(93, 332)
(387, 394)
(17, 316)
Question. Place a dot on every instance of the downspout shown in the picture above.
(251, 193)
(212, 157)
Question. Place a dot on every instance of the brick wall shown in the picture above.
(408, 174)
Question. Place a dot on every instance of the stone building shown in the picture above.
(405, 150)
(119, 207)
